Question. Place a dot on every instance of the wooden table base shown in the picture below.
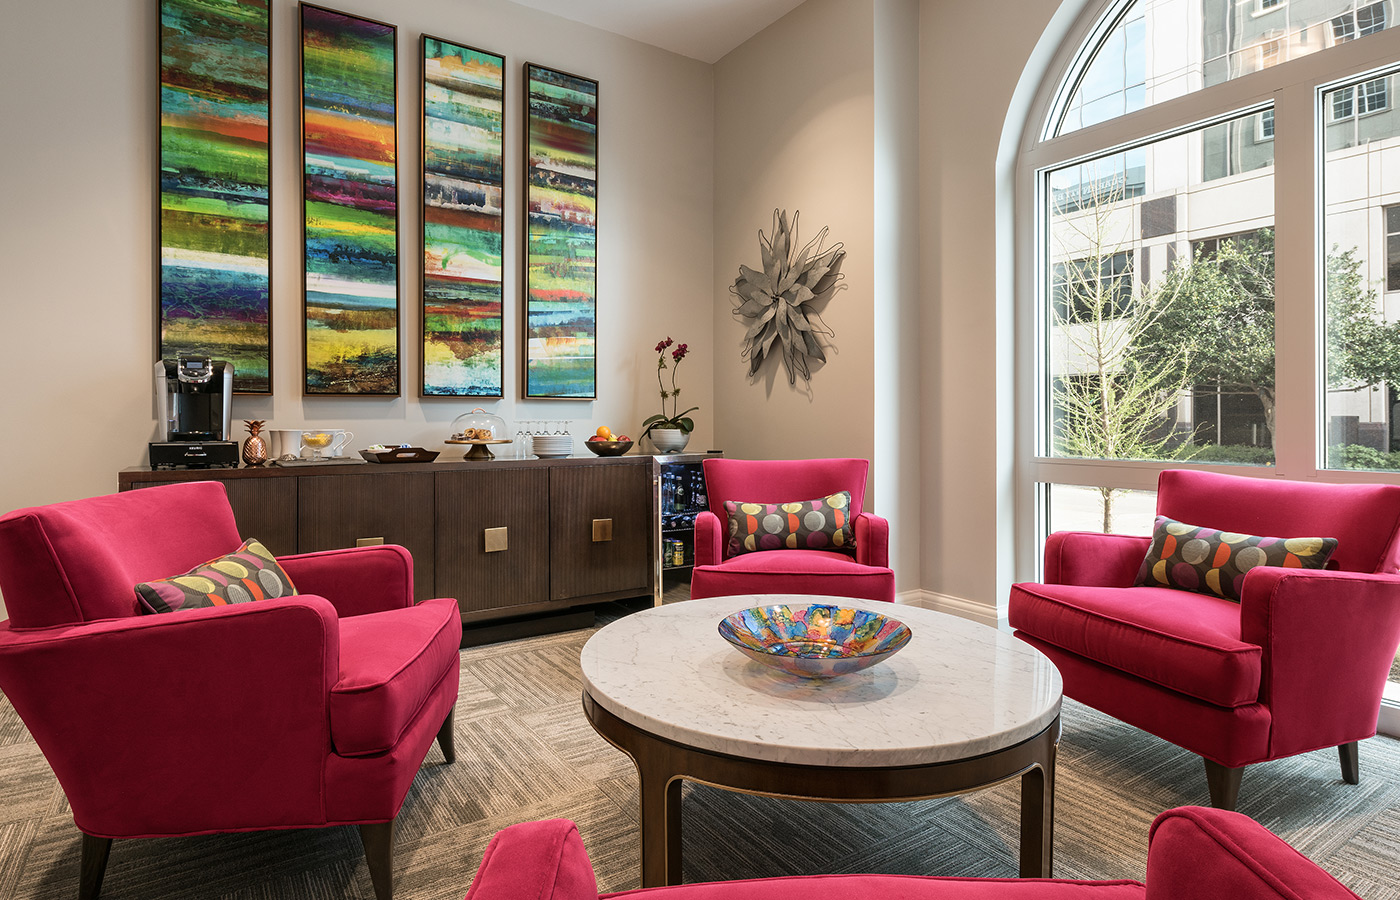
(662, 765)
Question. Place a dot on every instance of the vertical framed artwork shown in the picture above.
(215, 232)
(349, 135)
(561, 220)
(463, 118)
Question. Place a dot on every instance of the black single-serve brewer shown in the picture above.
(194, 399)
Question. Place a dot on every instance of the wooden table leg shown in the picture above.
(660, 825)
(1038, 814)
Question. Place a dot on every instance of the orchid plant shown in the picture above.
(677, 420)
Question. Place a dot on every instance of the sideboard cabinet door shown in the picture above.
(601, 531)
(512, 570)
(338, 511)
(266, 509)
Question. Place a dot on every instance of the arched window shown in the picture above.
(1209, 272)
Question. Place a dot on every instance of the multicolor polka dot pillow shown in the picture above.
(1209, 561)
(822, 524)
(247, 574)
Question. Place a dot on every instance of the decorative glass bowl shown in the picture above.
(608, 448)
(816, 641)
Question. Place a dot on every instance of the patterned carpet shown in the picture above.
(524, 751)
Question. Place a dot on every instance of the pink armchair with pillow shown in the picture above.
(291, 693)
(1260, 620)
(790, 527)
(1194, 854)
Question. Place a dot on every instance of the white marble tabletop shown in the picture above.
(958, 689)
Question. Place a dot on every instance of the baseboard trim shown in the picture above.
(1389, 720)
(957, 606)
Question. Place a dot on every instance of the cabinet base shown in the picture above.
(475, 634)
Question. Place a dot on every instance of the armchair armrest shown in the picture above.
(1328, 642)
(709, 539)
(356, 580)
(540, 860)
(1091, 559)
(1196, 853)
(186, 722)
(872, 540)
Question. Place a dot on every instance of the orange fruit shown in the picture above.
(604, 432)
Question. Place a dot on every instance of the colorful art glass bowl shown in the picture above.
(816, 641)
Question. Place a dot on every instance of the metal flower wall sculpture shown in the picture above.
(779, 303)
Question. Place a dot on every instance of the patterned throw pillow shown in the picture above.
(1209, 561)
(823, 524)
(247, 574)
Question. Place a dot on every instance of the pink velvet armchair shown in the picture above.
(1194, 854)
(1298, 664)
(865, 574)
(299, 712)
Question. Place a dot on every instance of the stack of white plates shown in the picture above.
(553, 445)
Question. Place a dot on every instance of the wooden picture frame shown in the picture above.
(559, 250)
(213, 186)
(463, 189)
(350, 215)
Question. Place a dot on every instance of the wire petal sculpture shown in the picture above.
(780, 303)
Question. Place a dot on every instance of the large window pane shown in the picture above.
(1161, 49)
(1107, 510)
(1159, 306)
(1362, 240)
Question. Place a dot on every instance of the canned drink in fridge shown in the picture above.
(677, 553)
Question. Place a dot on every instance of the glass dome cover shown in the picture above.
(479, 425)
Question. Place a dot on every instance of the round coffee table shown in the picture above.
(963, 706)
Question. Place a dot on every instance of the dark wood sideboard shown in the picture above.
(522, 544)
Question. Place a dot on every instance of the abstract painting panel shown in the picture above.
(561, 180)
(215, 233)
(350, 202)
(463, 110)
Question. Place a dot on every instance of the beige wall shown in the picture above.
(884, 119)
(794, 115)
(973, 60)
(77, 305)
(813, 114)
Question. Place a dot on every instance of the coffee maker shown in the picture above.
(194, 399)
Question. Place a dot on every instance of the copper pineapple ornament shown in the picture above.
(254, 447)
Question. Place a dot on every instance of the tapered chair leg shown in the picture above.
(1224, 784)
(93, 866)
(1351, 763)
(446, 737)
(378, 839)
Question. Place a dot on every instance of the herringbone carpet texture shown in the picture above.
(524, 751)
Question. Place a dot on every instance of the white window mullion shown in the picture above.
(1298, 362)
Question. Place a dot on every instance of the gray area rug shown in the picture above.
(524, 751)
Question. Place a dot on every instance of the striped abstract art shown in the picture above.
(350, 201)
(463, 110)
(215, 232)
(561, 211)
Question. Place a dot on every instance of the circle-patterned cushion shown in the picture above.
(1214, 562)
(821, 524)
(247, 574)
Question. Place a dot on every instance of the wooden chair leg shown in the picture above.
(446, 737)
(1224, 784)
(93, 866)
(1351, 762)
(378, 839)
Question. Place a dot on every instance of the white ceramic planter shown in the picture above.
(669, 440)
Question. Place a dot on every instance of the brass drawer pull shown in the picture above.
(496, 539)
(602, 530)
(368, 542)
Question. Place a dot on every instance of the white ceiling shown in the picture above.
(701, 29)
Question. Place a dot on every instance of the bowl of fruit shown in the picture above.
(605, 443)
